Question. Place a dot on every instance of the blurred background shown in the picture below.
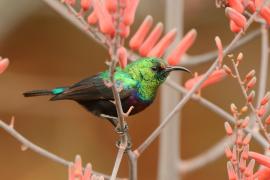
(47, 51)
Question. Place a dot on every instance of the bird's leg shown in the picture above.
(129, 144)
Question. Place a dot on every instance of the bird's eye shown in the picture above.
(154, 68)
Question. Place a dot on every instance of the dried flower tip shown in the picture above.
(265, 13)
(85, 4)
(236, 17)
(237, 5)
(267, 121)
(240, 57)
(176, 55)
(234, 27)
(220, 50)
(261, 111)
(122, 57)
(234, 109)
(261, 159)
(111, 5)
(250, 75)
(151, 40)
(12, 121)
(245, 122)
(24, 147)
(231, 172)
(227, 69)
(251, 83)
(137, 40)
(92, 18)
(3, 64)
(251, 96)
(244, 154)
(265, 99)
(228, 152)
(247, 139)
(228, 128)
(130, 11)
(249, 170)
(163, 44)
(230, 55)
(105, 20)
(244, 109)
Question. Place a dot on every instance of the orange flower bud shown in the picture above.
(265, 13)
(111, 5)
(228, 152)
(176, 55)
(247, 139)
(245, 122)
(251, 83)
(3, 64)
(105, 20)
(251, 96)
(250, 75)
(228, 128)
(124, 30)
(231, 171)
(236, 17)
(261, 111)
(151, 40)
(85, 4)
(265, 99)
(234, 28)
(137, 39)
(130, 11)
(163, 44)
(215, 77)
(267, 121)
(92, 18)
(122, 57)
(249, 170)
(237, 5)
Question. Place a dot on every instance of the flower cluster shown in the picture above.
(240, 154)
(113, 20)
(236, 10)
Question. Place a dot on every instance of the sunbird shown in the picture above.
(138, 83)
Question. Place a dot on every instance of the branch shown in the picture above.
(213, 107)
(264, 63)
(43, 152)
(203, 58)
(158, 130)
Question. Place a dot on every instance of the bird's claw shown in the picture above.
(121, 130)
(119, 145)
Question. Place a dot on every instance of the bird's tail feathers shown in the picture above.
(37, 93)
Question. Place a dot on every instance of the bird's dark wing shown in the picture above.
(89, 89)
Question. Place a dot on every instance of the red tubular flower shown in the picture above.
(228, 128)
(122, 57)
(130, 11)
(220, 50)
(251, 6)
(105, 20)
(163, 44)
(261, 159)
(267, 121)
(258, 3)
(3, 64)
(236, 17)
(176, 55)
(231, 171)
(137, 39)
(151, 40)
(265, 99)
(92, 18)
(86, 4)
(228, 152)
(124, 30)
(249, 170)
(262, 174)
(215, 77)
(265, 13)
(237, 5)
(111, 5)
(234, 28)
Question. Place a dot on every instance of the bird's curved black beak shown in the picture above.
(176, 68)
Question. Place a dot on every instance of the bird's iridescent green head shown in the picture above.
(151, 70)
(151, 73)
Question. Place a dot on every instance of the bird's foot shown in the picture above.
(128, 146)
(121, 130)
